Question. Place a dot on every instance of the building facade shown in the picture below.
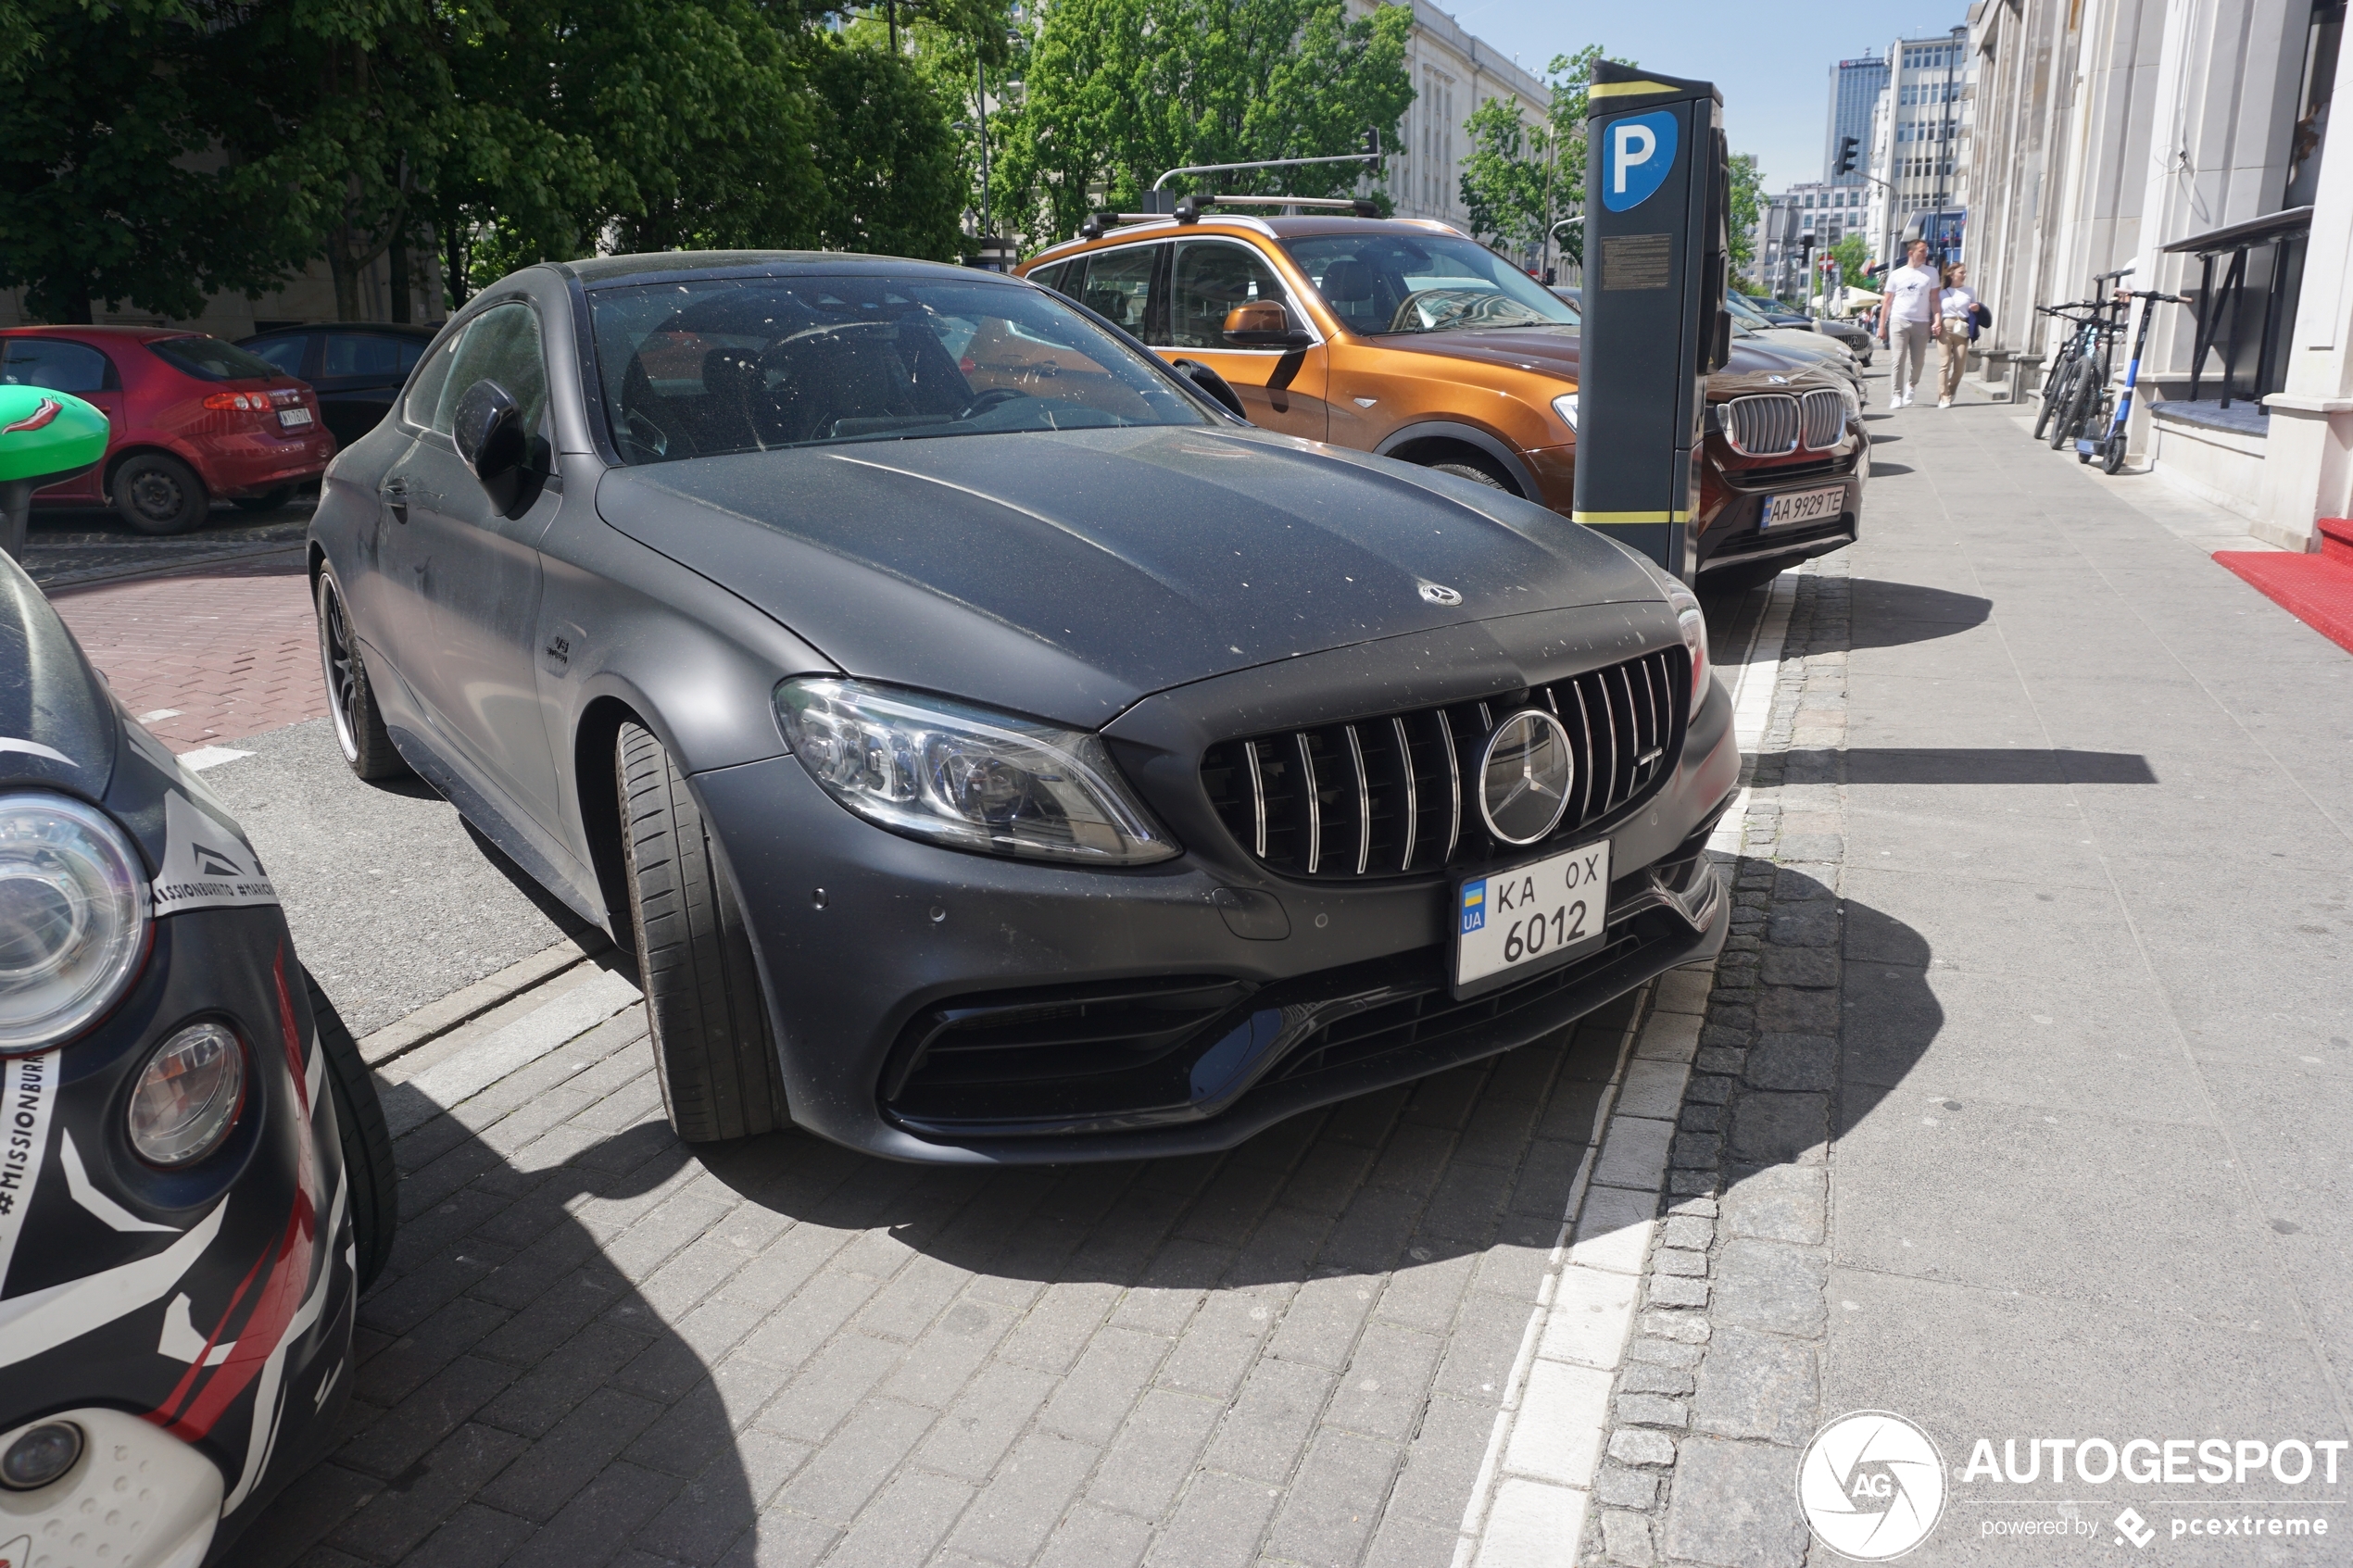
(2189, 140)
(1855, 89)
(1452, 72)
(1827, 210)
(1919, 139)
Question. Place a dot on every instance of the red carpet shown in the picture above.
(2317, 590)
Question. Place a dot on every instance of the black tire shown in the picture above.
(2075, 403)
(1473, 472)
(2112, 454)
(158, 495)
(359, 727)
(270, 502)
(2054, 387)
(712, 1055)
(369, 1172)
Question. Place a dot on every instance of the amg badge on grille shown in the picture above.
(1525, 775)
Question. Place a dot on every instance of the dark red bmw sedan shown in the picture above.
(195, 420)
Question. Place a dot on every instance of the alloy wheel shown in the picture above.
(340, 664)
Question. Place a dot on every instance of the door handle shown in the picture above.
(396, 495)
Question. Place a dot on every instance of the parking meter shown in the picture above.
(1657, 191)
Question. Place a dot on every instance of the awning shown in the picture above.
(2252, 231)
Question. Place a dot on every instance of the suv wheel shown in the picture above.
(155, 494)
(1478, 473)
(712, 1055)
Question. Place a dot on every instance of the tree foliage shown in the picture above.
(1748, 201)
(1118, 91)
(1511, 181)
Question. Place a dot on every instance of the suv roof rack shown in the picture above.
(1191, 209)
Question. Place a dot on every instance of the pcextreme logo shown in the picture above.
(1871, 1485)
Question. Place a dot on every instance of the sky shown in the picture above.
(1772, 63)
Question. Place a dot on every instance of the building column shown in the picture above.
(2308, 465)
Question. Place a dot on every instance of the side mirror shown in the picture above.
(1263, 323)
(1210, 382)
(492, 443)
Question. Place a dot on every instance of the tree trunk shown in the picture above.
(398, 265)
(453, 265)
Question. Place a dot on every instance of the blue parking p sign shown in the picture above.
(1637, 151)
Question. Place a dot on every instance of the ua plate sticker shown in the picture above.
(1545, 911)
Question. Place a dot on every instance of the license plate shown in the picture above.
(292, 418)
(1536, 915)
(1804, 506)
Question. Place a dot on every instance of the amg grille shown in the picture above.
(1774, 424)
(1396, 795)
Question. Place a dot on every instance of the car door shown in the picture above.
(358, 377)
(1281, 389)
(59, 365)
(458, 584)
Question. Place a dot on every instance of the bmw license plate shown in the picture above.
(293, 418)
(1531, 917)
(1804, 506)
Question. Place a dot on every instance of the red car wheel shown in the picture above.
(160, 494)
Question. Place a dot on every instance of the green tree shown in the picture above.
(892, 181)
(1748, 198)
(1570, 79)
(1118, 91)
(1510, 180)
(106, 191)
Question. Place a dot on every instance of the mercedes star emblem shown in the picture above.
(1524, 776)
(1440, 594)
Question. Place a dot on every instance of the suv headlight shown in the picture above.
(73, 917)
(965, 777)
(1566, 407)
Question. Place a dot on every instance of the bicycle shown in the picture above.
(2084, 375)
(2055, 377)
(2110, 448)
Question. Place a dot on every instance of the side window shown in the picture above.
(55, 365)
(502, 344)
(1052, 277)
(423, 402)
(1212, 277)
(1119, 284)
(360, 354)
(285, 352)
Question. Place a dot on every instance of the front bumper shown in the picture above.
(138, 1498)
(1283, 994)
(1735, 534)
(210, 1307)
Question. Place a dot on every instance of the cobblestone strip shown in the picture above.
(1720, 1386)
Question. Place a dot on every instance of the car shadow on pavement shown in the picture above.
(527, 1383)
(1982, 765)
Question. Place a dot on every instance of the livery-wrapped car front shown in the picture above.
(177, 1254)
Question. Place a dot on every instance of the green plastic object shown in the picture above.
(46, 433)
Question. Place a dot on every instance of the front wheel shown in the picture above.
(2112, 454)
(713, 1054)
(2055, 386)
(2075, 406)
(368, 1173)
(1473, 472)
(351, 702)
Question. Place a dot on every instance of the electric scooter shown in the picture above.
(2109, 446)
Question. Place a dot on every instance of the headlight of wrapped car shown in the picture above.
(1692, 623)
(73, 917)
(965, 777)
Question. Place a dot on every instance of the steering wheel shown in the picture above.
(991, 399)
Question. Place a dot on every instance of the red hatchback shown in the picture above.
(195, 420)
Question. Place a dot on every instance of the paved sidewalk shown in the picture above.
(2024, 1120)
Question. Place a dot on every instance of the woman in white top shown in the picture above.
(1956, 314)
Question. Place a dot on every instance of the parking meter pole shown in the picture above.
(1654, 325)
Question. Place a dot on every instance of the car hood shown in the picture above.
(56, 718)
(1068, 573)
(1555, 350)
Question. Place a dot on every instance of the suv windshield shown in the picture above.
(725, 365)
(212, 360)
(1381, 283)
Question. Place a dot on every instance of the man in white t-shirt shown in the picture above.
(1907, 319)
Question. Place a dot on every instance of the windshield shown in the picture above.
(752, 364)
(1381, 283)
(1747, 315)
(213, 359)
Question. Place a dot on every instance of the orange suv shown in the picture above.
(1406, 338)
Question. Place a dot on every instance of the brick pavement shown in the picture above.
(231, 649)
(596, 1345)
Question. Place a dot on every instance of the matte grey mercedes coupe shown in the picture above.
(992, 750)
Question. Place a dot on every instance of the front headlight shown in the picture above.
(73, 917)
(1692, 623)
(1566, 407)
(965, 777)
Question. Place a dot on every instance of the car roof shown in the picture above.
(678, 266)
(1232, 224)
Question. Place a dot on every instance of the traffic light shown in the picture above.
(1848, 147)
